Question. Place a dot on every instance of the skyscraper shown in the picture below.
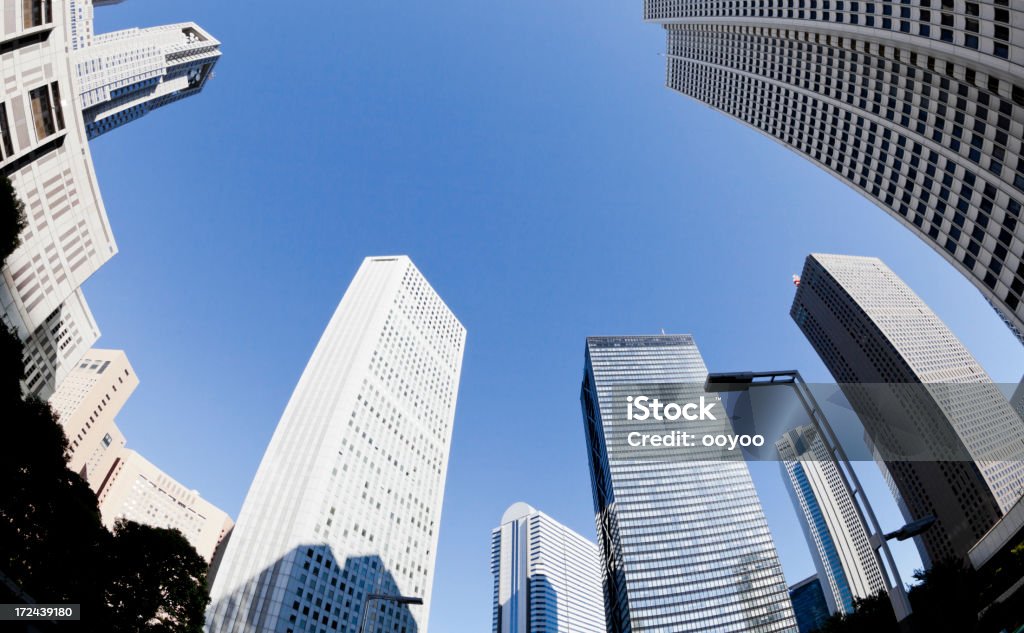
(45, 52)
(683, 539)
(44, 153)
(951, 442)
(347, 499)
(809, 604)
(547, 578)
(86, 403)
(918, 106)
(125, 74)
(835, 532)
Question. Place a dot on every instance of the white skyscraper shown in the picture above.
(347, 499)
(951, 441)
(124, 74)
(46, 52)
(835, 533)
(43, 151)
(547, 578)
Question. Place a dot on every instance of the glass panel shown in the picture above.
(42, 112)
(57, 106)
(5, 132)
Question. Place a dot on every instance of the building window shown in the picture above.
(36, 12)
(47, 113)
(6, 145)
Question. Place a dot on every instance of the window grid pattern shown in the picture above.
(934, 140)
(869, 328)
(684, 542)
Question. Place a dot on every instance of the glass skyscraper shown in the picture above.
(835, 533)
(547, 578)
(683, 538)
(809, 604)
(347, 499)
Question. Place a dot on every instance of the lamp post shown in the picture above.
(744, 381)
(383, 597)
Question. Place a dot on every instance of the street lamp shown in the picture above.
(744, 381)
(383, 597)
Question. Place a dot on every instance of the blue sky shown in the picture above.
(529, 159)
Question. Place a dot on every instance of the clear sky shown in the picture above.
(529, 159)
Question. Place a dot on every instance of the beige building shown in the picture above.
(126, 484)
(87, 401)
(137, 490)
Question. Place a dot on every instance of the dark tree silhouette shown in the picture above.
(12, 218)
(158, 582)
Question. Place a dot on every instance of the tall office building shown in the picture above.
(347, 499)
(44, 152)
(897, 496)
(87, 402)
(136, 490)
(125, 74)
(918, 106)
(835, 532)
(683, 539)
(809, 604)
(547, 578)
(950, 439)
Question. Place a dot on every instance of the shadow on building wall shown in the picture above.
(310, 590)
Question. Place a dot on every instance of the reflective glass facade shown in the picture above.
(809, 604)
(684, 542)
(834, 530)
(547, 578)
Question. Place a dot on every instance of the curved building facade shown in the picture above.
(917, 105)
(547, 578)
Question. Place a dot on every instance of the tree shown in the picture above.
(158, 581)
(12, 218)
(51, 538)
(873, 614)
(947, 597)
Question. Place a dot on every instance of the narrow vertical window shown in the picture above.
(58, 109)
(5, 134)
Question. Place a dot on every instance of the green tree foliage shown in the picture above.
(948, 597)
(870, 615)
(158, 582)
(12, 218)
(51, 538)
